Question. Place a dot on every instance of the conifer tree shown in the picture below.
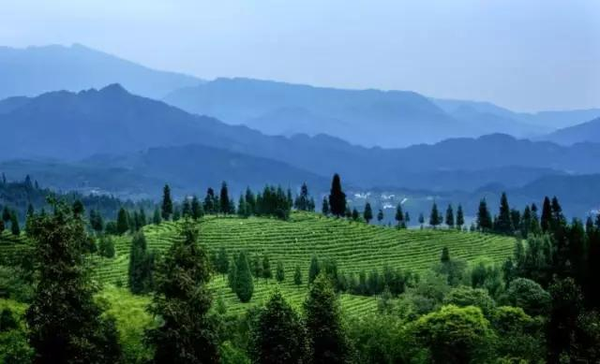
(244, 286)
(122, 222)
(399, 215)
(210, 202)
(197, 209)
(325, 207)
(186, 208)
(156, 219)
(142, 216)
(167, 204)
(337, 197)
(266, 268)
(231, 274)
(460, 217)
(450, 216)
(355, 214)
(434, 217)
(106, 247)
(78, 208)
(380, 216)
(222, 261)
(297, 276)
(242, 210)
(421, 219)
(328, 342)
(250, 202)
(15, 229)
(368, 213)
(2, 227)
(278, 336)
(280, 272)
(313, 270)
(141, 264)
(186, 334)
(504, 222)
(484, 219)
(6, 215)
(546, 219)
(224, 198)
(65, 324)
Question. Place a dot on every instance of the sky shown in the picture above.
(526, 55)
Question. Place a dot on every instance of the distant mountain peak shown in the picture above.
(114, 89)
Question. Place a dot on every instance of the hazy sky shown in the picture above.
(523, 54)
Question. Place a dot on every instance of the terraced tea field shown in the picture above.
(354, 246)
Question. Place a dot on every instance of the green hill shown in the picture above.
(354, 246)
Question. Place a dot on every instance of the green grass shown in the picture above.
(354, 246)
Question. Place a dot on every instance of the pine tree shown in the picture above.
(460, 217)
(244, 286)
(231, 274)
(380, 216)
(278, 336)
(368, 213)
(6, 215)
(337, 197)
(297, 276)
(546, 219)
(450, 216)
(15, 229)
(313, 270)
(122, 223)
(156, 219)
(326, 334)
(399, 215)
(355, 214)
(141, 264)
(242, 210)
(186, 334)
(143, 220)
(434, 217)
(65, 324)
(2, 227)
(250, 202)
(421, 219)
(484, 219)
(197, 210)
(325, 207)
(222, 261)
(504, 224)
(303, 201)
(210, 202)
(186, 209)
(167, 204)
(224, 198)
(280, 272)
(78, 208)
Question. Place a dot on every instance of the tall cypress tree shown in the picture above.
(324, 326)
(399, 215)
(197, 210)
(484, 219)
(313, 270)
(15, 229)
(546, 219)
(122, 222)
(504, 222)
(460, 217)
(325, 207)
(167, 203)
(380, 216)
(280, 272)
(224, 198)
(186, 334)
(450, 216)
(278, 336)
(65, 323)
(368, 213)
(434, 217)
(156, 219)
(337, 197)
(244, 286)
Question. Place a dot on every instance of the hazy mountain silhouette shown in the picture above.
(584, 132)
(35, 70)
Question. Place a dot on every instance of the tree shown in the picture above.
(222, 265)
(244, 286)
(122, 222)
(463, 296)
(304, 201)
(266, 268)
(434, 217)
(380, 216)
(325, 207)
(186, 333)
(566, 308)
(6, 214)
(156, 219)
(278, 335)
(368, 213)
(106, 247)
(65, 323)
(186, 208)
(96, 221)
(324, 325)
(141, 265)
(78, 208)
(224, 198)
(504, 224)
(313, 270)
(167, 204)
(210, 201)
(2, 227)
(400, 216)
(484, 219)
(450, 216)
(528, 295)
(280, 272)
(197, 210)
(14, 224)
(455, 335)
(297, 276)
(460, 217)
(337, 197)
(421, 219)
(546, 219)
